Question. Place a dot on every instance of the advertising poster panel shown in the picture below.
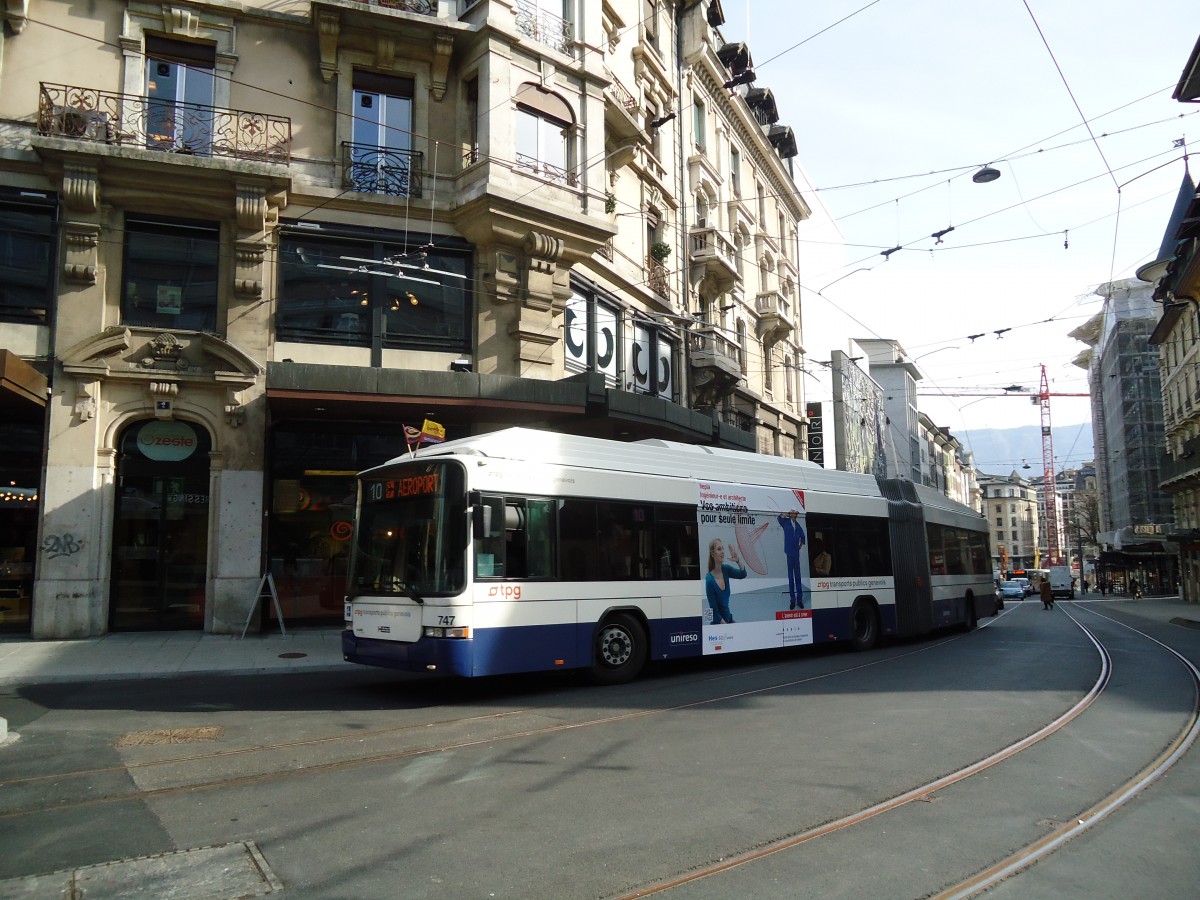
(755, 589)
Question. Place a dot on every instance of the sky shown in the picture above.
(895, 104)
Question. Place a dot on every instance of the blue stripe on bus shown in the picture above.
(539, 648)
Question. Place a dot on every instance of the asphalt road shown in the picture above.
(368, 784)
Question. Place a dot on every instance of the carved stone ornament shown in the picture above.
(80, 259)
(329, 28)
(166, 347)
(80, 188)
(181, 21)
(501, 276)
(251, 207)
(443, 46)
(542, 247)
(86, 393)
(235, 412)
(16, 14)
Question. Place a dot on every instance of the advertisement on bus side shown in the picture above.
(755, 590)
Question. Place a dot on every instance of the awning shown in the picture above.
(23, 389)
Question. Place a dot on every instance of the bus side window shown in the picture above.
(577, 524)
(677, 545)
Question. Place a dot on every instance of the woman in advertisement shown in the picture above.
(716, 582)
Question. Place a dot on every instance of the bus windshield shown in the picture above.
(411, 536)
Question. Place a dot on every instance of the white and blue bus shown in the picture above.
(525, 550)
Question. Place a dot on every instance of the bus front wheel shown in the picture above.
(864, 625)
(619, 650)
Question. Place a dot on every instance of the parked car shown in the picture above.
(1010, 590)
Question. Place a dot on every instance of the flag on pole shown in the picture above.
(412, 437)
(432, 432)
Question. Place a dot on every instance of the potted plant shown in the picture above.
(660, 250)
(610, 203)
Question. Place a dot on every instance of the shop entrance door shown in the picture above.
(160, 536)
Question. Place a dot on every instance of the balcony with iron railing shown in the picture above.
(621, 110)
(717, 253)
(545, 28)
(550, 172)
(658, 277)
(192, 129)
(382, 170)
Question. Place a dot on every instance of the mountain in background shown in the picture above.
(998, 451)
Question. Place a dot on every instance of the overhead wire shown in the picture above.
(510, 99)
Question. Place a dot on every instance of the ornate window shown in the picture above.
(381, 157)
(179, 88)
(544, 124)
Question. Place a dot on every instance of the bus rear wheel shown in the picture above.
(864, 625)
(619, 650)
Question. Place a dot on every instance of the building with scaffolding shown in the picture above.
(1127, 423)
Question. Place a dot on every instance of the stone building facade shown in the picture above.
(246, 246)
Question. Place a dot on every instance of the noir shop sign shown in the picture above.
(167, 441)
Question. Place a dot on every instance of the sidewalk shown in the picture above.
(162, 654)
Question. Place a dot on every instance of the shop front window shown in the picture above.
(311, 524)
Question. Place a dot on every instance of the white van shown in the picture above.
(1061, 584)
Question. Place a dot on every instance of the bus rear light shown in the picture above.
(434, 631)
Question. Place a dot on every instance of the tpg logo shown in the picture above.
(685, 637)
(505, 591)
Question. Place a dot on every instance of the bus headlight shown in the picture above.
(434, 631)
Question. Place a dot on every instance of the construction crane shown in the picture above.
(1054, 553)
(1049, 488)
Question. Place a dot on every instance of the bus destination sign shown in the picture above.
(425, 485)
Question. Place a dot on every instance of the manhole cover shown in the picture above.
(292, 655)
(171, 736)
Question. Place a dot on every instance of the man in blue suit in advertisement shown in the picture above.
(793, 543)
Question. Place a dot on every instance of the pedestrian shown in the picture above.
(1047, 594)
(1135, 589)
(1085, 585)
(1103, 586)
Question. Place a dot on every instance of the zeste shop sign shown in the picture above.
(167, 441)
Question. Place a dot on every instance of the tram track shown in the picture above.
(1026, 856)
(1098, 812)
(200, 772)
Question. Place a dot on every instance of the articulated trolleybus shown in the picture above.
(525, 550)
